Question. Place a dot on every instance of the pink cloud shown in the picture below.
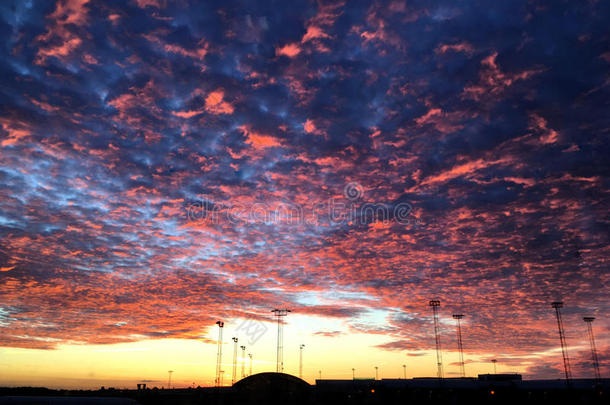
(62, 34)
(309, 126)
(289, 50)
(149, 3)
(16, 132)
(493, 81)
(547, 135)
(460, 47)
(313, 32)
(214, 103)
(259, 141)
(463, 170)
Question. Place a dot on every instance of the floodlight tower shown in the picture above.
(250, 356)
(279, 313)
(221, 325)
(494, 361)
(404, 369)
(169, 379)
(353, 373)
(301, 361)
(376, 373)
(457, 318)
(589, 321)
(439, 357)
(235, 340)
(562, 339)
(243, 361)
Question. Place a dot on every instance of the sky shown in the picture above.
(165, 165)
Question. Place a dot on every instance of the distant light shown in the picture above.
(492, 392)
(373, 391)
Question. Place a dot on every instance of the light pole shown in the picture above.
(404, 369)
(233, 375)
(243, 361)
(320, 374)
(301, 361)
(250, 356)
(494, 361)
(279, 313)
(169, 380)
(589, 321)
(457, 318)
(439, 356)
(562, 339)
(376, 373)
(353, 373)
(220, 324)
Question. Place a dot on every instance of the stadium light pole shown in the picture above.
(457, 318)
(250, 356)
(301, 361)
(589, 321)
(243, 361)
(221, 325)
(280, 313)
(439, 356)
(233, 375)
(562, 340)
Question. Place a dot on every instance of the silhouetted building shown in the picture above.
(285, 389)
(272, 388)
(500, 377)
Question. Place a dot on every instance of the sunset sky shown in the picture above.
(168, 164)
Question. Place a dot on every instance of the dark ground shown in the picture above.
(270, 388)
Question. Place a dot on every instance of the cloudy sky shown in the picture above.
(168, 164)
